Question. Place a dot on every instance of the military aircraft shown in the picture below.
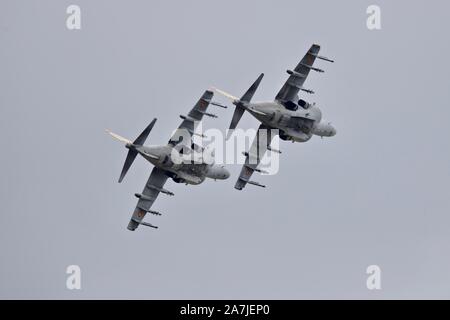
(170, 164)
(296, 119)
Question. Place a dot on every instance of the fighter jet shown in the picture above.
(296, 119)
(169, 160)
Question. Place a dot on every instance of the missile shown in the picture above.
(145, 223)
(307, 90)
(261, 171)
(218, 104)
(148, 225)
(296, 74)
(256, 184)
(256, 169)
(143, 197)
(311, 67)
(201, 135)
(188, 118)
(321, 57)
(162, 190)
(272, 149)
(207, 114)
(156, 213)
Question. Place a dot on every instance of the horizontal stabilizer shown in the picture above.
(237, 115)
(128, 162)
(251, 91)
(143, 136)
(132, 153)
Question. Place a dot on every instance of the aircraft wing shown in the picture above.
(253, 157)
(289, 91)
(194, 116)
(151, 190)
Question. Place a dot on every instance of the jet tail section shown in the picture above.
(132, 153)
(143, 136)
(251, 91)
(237, 115)
(128, 162)
(241, 104)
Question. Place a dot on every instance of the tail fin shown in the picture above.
(143, 136)
(132, 153)
(251, 91)
(240, 105)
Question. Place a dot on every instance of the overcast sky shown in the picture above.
(376, 193)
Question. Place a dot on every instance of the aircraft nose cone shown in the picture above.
(333, 132)
(226, 173)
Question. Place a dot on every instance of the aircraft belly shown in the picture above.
(297, 135)
(192, 173)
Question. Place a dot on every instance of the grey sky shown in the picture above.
(376, 193)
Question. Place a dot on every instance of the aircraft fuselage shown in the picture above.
(296, 125)
(178, 168)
